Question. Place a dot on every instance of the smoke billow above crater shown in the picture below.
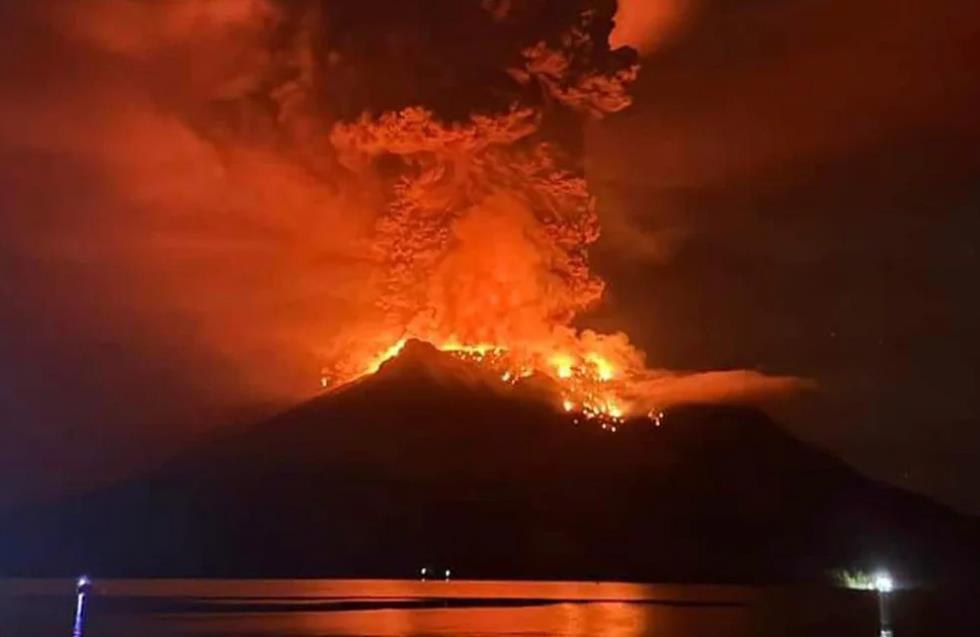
(208, 203)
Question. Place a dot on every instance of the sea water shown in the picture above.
(404, 608)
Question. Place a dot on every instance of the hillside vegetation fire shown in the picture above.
(590, 385)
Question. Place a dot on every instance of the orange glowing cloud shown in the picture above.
(260, 180)
(647, 24)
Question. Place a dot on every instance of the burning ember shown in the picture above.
(588, 384)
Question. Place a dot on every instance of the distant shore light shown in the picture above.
(883, 582)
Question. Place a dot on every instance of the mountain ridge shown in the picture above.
(429, 462)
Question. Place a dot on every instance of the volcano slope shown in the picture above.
(426, 464)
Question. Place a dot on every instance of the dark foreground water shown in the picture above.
(391, 608)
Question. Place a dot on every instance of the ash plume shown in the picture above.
(269, 188)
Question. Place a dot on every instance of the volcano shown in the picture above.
(428, 463)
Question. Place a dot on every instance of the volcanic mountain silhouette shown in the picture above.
(428, 463)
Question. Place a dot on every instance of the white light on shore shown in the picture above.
(883, 583)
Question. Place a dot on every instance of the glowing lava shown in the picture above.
(587, 383)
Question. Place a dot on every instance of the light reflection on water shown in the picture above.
(78, 626)
(565, 620)
(307, 608)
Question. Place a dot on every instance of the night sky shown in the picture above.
(807, 174)
(795, 190)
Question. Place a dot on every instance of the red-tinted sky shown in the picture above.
(795, 190)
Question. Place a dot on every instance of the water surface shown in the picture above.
(397, 608)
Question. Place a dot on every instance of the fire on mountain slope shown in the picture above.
(590, 385)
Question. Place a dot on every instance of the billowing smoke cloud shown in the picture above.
(237, 192)
(183, 208)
